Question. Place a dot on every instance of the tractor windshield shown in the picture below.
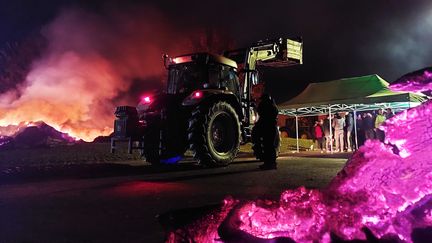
(186, 77)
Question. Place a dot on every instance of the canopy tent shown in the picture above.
(349, 94)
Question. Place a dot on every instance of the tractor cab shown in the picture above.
(201, 71)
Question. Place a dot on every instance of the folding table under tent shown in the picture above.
(355, 94)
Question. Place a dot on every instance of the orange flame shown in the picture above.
(93, 63)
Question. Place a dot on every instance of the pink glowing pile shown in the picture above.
(387, 193)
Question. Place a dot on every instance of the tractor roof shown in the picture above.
(205, 57)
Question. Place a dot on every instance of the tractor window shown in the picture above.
(185, 78)
(223, 77)
(230, 80)
(214, 77)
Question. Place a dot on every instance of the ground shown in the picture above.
(130, 201)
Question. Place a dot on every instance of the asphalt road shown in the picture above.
(124, 207)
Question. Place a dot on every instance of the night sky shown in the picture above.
(341, 38)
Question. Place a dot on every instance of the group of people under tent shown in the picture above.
(342, 136)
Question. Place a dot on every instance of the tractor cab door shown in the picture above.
(251, 92)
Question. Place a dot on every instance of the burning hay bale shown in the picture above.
(379, 196)
(34, 135)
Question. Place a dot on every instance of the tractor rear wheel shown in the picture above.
(214, 133)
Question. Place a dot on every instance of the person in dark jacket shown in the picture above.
(389, 113)
(360, 131)
(266, 130)
(368, 125)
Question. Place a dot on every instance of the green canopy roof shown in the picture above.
(369, 89)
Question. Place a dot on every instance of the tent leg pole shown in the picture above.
(297, 133)
(355, 128)
(331, 132)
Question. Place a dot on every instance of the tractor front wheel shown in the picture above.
(214, 133)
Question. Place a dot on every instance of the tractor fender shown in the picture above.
(211, 96)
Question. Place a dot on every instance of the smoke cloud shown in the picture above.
(90, 65)
(401, 45)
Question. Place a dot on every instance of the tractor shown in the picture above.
(207, 106)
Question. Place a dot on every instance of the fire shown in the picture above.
(59, 93)
(95, 62)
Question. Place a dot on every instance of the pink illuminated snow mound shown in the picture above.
(385, 188)
(417, 81)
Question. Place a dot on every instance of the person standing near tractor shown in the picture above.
(265, 132)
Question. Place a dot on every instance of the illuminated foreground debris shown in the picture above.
(384, 189)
